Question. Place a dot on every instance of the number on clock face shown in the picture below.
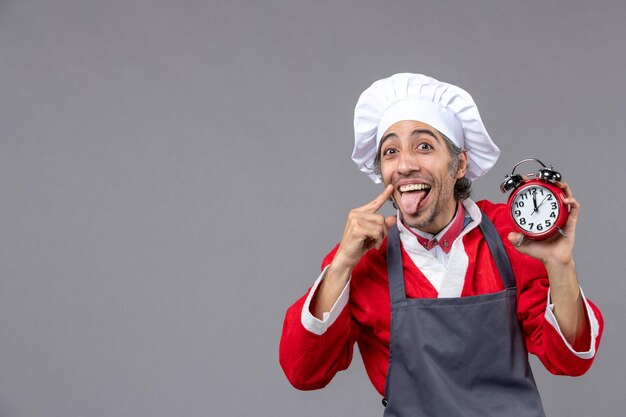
(535, 209)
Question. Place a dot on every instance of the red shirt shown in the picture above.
(310, 361)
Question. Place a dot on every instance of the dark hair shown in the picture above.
(462, 187)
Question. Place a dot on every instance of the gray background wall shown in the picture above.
(172, 173)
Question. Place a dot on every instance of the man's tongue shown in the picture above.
(410, 201)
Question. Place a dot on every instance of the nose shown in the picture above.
(407, 163)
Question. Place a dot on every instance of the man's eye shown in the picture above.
(424, 146)
(389, 151)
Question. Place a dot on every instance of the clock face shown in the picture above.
(535, 209)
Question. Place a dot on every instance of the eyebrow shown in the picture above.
(415, 132)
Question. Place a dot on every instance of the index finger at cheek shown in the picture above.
(387, 192)
(378, 202)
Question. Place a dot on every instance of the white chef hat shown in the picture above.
(446, 107)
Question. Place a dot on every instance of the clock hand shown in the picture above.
(544, 199)
(534, 204)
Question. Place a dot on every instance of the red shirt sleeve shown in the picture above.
(310, 361)
(541, 338)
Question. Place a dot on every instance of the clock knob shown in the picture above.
(511, 182)
(548, 174)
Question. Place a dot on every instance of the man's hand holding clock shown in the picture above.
(556, 253)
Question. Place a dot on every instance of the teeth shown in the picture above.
(414, 187)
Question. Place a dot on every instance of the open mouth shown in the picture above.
(413, 197)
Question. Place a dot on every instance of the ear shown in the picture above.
(462, 168)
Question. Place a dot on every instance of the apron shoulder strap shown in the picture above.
(497, 251)
(395, 273)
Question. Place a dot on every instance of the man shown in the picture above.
(443, 299)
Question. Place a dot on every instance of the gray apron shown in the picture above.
(454, 357)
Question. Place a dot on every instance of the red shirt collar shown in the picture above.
(445, 241)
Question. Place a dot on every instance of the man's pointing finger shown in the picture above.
(375, 205)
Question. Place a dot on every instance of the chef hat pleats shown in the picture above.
(405, 96)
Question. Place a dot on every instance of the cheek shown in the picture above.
(386, 171)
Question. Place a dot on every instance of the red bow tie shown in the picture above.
(456, 226)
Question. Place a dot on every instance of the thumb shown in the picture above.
(390, 221)
(515, 239)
